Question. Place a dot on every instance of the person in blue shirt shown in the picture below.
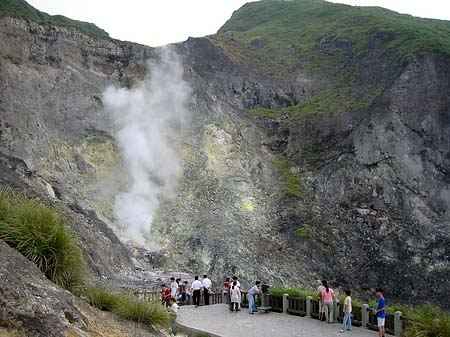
(380, 311)
(256, 289)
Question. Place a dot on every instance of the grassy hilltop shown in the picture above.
(356, 52)
(20, 8)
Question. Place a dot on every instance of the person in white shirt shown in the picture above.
(347, 321)
(173, 314)
(173, 287)
(196, 288)
(234, 297)
(207, 285)
(238, 284)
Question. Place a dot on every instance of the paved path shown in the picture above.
(223, 323)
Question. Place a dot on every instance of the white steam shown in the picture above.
(146, 119)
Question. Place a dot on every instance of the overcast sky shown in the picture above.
(158, 22)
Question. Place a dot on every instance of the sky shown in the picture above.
(159, 22)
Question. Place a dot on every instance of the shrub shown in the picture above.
(293, 292)
(303, 233)
(99, 297)
(125, 305)
(290, 182)
(428, 321)
(143, 312)
(39, 233)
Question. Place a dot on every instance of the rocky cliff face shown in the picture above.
(373, 198)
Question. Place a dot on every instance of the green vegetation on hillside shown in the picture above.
(20, 8)
(125, 305)
(290, 182)
(352, 53)
(428, 321)
(293, 292)
(303, 233)
(39, 233)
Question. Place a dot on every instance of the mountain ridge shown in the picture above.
(21, 8)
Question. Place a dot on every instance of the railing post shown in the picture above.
(285, 303)
(398, 324)
(336, 310)
(309, 306)
(365, 315)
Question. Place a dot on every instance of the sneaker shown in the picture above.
(341, 331)
(251, 313)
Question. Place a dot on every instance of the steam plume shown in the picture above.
(145, 119)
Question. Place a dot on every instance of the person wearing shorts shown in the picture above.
(380, 312)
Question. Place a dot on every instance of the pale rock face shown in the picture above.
(375, 197)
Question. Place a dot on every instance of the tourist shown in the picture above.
(380, 311)
(347, 321)
(173, 315)
(165, 295)
(188, 293)
(228, 283)
(234, 297)
(256, 289)
(173, 287)
(235, 278)
(196, 288)
(207, 286)
(328, 298)
(182, 290)
(320, 299)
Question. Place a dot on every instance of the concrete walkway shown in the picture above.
(218, 321)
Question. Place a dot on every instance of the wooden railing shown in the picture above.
(276, 302)
(297, 306)
(362, 315)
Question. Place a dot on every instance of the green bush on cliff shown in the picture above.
(39, 233)
(290, 182)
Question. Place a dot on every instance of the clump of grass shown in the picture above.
(270, 113)
(125, 305)
(290, 182)
(303, 233)
(13, 59)
(100, 297)
(143, 312)
(292, 292)
(38, 232)
(428, 321)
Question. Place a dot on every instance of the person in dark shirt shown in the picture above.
(183, 290)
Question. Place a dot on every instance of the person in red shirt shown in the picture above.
(165, 295)
(227, 285)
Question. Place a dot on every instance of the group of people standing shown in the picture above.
(326, 298)
(181, 292)
(234, 297)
